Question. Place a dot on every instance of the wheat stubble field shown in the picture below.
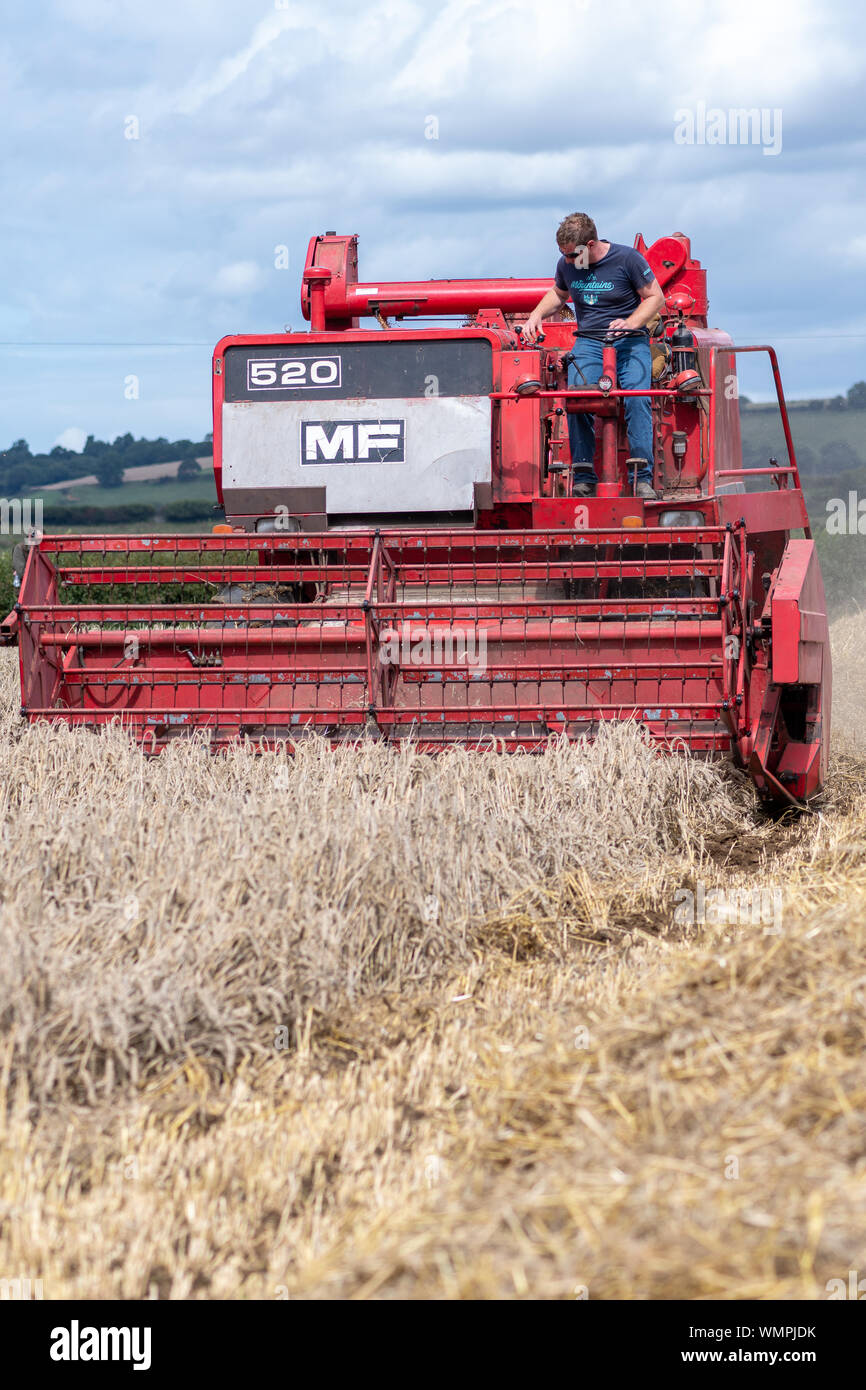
(364, 1025)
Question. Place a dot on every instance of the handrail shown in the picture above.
(741, 472)
(582, 392)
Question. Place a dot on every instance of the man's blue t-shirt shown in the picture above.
(607, 290)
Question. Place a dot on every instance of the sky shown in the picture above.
(156, 156)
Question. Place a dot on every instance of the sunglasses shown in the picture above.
(572, 255)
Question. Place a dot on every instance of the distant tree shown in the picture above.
(19, 452)
(835, 403)
(807, 459)
(837, 456)
(754, 454)
(17, 478)
(189, 468)
(109, 470)
(123, 442)
(857, 395)
(163, 451)
(188, 510)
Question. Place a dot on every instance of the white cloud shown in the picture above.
(72, 438)
(262, 126)
(230, 69)
(241, 277)
(856, 250)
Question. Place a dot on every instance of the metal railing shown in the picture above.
(742, 473)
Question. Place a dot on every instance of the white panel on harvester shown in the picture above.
(385, 455)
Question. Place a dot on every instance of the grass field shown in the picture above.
(155, 493)
(372, 1026)
(762, 429)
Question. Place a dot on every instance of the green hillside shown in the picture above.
(826, 441)
(831, 451)
(157, 492)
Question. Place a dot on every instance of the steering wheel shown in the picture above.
(618, 333)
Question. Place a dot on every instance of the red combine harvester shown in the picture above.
(403, 556)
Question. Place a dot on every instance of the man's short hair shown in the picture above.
(577, 229)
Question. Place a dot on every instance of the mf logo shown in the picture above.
(353, 441)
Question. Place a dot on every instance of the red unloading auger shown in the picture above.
(403, 557)
(333, 298)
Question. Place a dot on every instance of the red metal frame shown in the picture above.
(554, 663)
(745, 473)
(712, 635)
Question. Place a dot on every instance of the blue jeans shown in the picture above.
(633, 373)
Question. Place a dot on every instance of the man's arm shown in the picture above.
(553, 300)
(652, 301)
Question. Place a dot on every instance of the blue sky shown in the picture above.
(260, 124)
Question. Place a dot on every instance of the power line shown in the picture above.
(810, 337)
(208, 343)
(47, 343)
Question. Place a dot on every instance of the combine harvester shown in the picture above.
(403, 557)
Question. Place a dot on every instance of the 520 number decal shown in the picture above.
(292, 373)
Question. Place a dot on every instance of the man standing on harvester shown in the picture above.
(614, 290)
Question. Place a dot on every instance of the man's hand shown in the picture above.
(553, 300)
(652, 302)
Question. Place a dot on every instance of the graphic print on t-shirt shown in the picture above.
(607, 290)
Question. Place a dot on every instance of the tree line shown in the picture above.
(854, 399)
(834, 455)
(20, 469)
